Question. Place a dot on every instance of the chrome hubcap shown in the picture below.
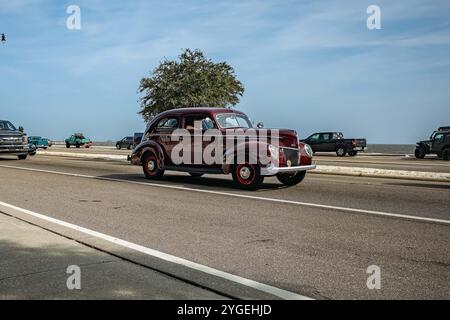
(245, 173)
(151, 165)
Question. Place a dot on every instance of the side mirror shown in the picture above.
(21, 129)
(260, 125)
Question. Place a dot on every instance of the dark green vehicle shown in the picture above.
(126, 142)
(78, 140)
(439, 143)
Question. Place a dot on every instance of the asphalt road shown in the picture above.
(278, 236)
(392, 162)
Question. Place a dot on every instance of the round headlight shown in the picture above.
(309, 151)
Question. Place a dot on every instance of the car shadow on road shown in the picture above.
(187, 181)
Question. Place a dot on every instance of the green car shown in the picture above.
(39, 142)
(78, 140)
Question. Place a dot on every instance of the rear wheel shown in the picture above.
(195, 174)
(341, 151)
(353, 153)
(291, 179)
(446, 154)
(247, 176)
(150, 167)
(22, 156)
(419, 153)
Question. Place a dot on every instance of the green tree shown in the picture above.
(193, 81)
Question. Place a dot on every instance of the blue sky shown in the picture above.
(306, 65)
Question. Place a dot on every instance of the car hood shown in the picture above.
(287, 137)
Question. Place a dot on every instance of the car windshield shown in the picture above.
(6, 125)
(233, 120)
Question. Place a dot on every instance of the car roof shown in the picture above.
(184, 111)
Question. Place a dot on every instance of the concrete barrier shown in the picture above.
(383, 173)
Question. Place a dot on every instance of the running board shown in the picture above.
(194, 169)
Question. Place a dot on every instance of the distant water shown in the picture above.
(391, 148)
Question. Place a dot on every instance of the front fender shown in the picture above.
(252, 152)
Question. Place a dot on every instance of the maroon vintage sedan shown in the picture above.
(221, 141)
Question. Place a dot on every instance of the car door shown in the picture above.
(313, 141)
(163, 132)
(438, 142)
(197, 124)
(327, 142)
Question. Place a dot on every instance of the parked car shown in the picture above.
(137, 138)
(439, 143)
(39, 142)
(13, 141)
(335, 142)
(154, 153)
(78, 140)
(126, 142)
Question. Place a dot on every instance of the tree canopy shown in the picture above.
(193, 81)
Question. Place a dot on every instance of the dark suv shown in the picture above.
(126, 142)
(13, 141)
(221, 141)
(439, 143)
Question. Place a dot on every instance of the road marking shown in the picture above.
(245, 196)
(284, 294)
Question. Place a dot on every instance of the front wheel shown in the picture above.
(67, 145)
(77, 145)
(150, 167)
(446, 154)
(340, 151)
(247, 176)
(291, 179)
(22, 156)
(118, 146)
(419, 153)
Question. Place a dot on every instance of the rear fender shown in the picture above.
(143, 148)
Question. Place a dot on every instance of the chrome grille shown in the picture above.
(292, 156)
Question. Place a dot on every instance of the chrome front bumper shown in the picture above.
(6, 148)
(270, 171)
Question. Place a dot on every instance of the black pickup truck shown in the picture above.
(335, 142)
(14, 141)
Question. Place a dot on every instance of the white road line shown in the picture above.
(245, 196)
(284, 294)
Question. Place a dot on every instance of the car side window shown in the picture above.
(314, 137)
(168, 123)
(325, 136)
(439, 137)
(198, 121)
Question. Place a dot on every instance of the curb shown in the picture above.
(383, 173)
(321, 169)
(113, 157)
